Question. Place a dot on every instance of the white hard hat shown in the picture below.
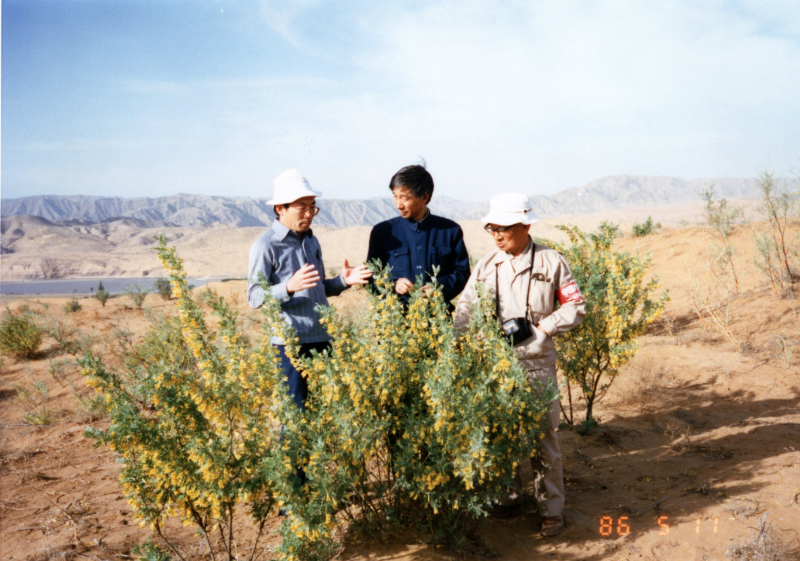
(509, 209)
(290, 186)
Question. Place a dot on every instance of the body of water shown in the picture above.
(115, 285)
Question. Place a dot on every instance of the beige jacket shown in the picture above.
(549, 281)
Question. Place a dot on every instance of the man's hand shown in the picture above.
(305, 277)
(403, 286)
(355, 275)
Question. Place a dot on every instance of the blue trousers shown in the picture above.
(297, 386)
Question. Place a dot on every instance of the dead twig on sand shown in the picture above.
(637, 514)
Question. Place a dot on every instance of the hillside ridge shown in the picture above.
(182, 210)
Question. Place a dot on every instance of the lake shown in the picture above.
(114, 285)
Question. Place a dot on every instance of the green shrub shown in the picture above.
(137, 294)
(645, 229)
(72, 305)
(102, 294)
(163, 288)
(777, 250)
(619, 307)
(401, 401)
(149, 551)
(19, 335)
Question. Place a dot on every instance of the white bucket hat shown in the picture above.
(290, 186)
(509, 209)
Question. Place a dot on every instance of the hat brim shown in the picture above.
(298, 194)
(509, 218)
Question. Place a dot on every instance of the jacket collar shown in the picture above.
(522, 264)
(421, 225)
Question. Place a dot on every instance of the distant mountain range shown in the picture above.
(608, 193)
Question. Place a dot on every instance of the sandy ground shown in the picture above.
(696, 434)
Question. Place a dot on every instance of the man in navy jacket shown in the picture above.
(417, 241)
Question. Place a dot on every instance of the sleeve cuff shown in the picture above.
(279, 292)
(548, 326)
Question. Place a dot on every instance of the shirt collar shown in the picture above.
(521, 261)
(281, 231)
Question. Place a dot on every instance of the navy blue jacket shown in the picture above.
(413, 248)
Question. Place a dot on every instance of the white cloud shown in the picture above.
(552, 94)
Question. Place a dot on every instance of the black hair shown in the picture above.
(414, 178)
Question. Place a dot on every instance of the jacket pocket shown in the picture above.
(443, 257)
(542, 298)
(400, 261)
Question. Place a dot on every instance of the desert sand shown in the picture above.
(698, 431)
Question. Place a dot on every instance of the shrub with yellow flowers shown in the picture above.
(408, 420)
(191, 415)
(619, 307)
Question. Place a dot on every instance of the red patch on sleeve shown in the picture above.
(569, 293)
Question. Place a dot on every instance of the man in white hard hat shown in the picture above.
(529, 282)
(289, 257)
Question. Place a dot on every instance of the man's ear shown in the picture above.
(527, 228)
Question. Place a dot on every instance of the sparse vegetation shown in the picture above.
(20, 337)
(766, 546)
(33, 400)
(137, 294)
(778, 253)
(721, 218)
(102, 294)
(646, 228)
(69, 338)
(72, 306)
(718, 283)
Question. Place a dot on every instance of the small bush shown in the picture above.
(148, 551)
(34, 402)
(69, 338)
(767, 546)
(645, 229)
(163, 288)
(72, 306)
(137, 294)
(19, 335)
(102, 294)
(619, 307)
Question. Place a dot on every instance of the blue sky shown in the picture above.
(156, 97)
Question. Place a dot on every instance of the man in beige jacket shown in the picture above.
(529, 280)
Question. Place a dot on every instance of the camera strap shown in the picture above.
(497, 285)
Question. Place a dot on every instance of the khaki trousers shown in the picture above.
(548, 473)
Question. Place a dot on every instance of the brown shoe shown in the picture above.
(552, 525)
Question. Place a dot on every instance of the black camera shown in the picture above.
(517, 330)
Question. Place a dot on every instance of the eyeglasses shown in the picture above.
(501, 229)
(314, 210)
